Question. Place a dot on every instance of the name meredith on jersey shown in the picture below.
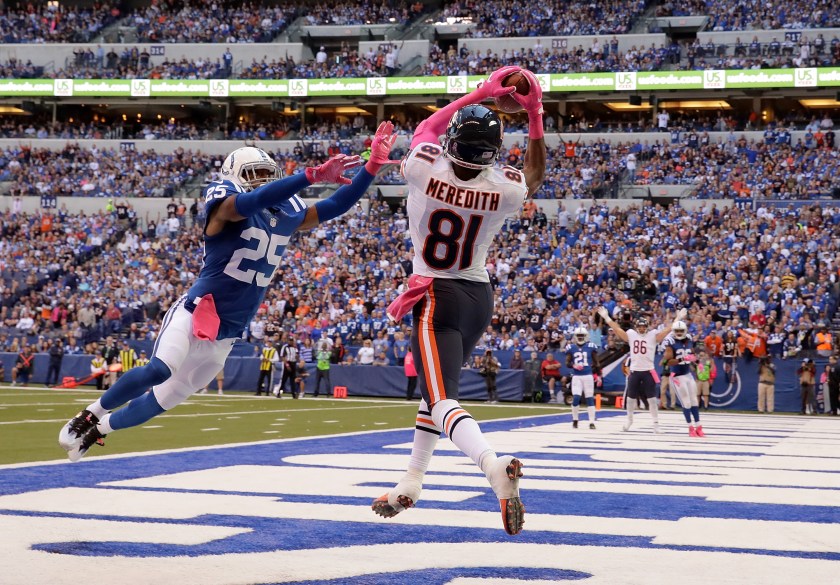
(460, 197)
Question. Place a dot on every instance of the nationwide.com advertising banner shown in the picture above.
(450, 85)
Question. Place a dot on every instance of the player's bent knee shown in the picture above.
(157, 371)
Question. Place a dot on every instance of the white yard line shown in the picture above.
(218, 414)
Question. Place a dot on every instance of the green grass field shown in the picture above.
(30, 419)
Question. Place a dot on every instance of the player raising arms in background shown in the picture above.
(643, 379)
(251, 216)
(679, 355)
(457, 203)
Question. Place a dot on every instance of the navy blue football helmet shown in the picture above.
(474, 137)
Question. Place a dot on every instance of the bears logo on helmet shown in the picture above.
(474, 137)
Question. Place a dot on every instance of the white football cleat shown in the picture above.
(504, 479)
(70, 435)
(404, 495)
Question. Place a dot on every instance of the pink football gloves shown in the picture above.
(533, 101)
(493, 88)
(332, 171)
(380, 149)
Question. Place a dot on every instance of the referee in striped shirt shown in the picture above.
(268, 357)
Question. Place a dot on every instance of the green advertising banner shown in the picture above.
(449, 85)
(419, 85)
(255, 88)
(765, 78)
(95, 87)
(669, 79)
(582, 81)
(26, 87)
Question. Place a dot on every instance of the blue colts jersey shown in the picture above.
(240, 261)
(682, 348)
(582, 356)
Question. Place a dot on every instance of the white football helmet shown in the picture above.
(581, 335)
(243, 166)
(680, 330)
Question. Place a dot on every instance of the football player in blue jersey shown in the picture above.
(251, 216)
(679, 355)
(582, 357)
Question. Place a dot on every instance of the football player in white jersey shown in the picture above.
(458, 200)
(643, 378)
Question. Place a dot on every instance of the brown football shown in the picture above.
(506, 103)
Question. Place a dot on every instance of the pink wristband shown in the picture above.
(535, 125)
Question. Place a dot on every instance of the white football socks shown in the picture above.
(631, 409)
(424, 444)
(97, 409)
(464, 432)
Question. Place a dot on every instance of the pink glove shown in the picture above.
(597, 379)
(493, 88)
(533, 101)
(332, 170)
(578, 367)
(690, 358)
(380, 148)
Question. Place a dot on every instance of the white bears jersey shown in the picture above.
(642, 350)
(453, 222)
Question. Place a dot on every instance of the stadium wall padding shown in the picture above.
(389, 381)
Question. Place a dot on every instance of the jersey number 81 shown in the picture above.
(443, 244)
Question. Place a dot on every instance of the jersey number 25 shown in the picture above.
(266, 249)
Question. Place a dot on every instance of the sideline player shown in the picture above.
(251, 216)
(679, 356)
(582, 357)
(731, 352)
(642, 381)
(458, 201)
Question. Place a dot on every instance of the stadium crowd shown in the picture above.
(137, 63)
(757, 14)
(773, 273)
(507, 18)
(732, 167)
(211, 21)
(342, 12)
(99, 172)
(728, 166)
(539, 59)
(39, 256)
(47, 22)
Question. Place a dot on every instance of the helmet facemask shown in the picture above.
(257, 174)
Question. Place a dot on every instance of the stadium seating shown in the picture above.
(552, 270)
(43, 23)
(725, 275)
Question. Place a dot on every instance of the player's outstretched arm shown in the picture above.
(535, 154)
(665, 331)
(347, 196)
(432, 127)
(620, 333)
(272, 194)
